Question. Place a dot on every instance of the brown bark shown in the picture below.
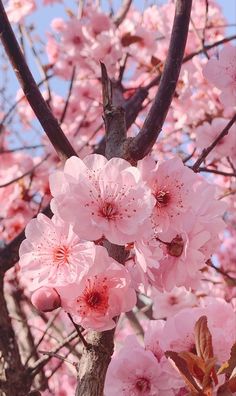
(14, 380)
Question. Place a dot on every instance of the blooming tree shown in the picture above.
(117, 233)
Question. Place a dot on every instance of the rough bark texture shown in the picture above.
(94, 362)
(14, 380)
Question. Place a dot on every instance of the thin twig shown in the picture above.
(122, 12)
(207, 150)
(41, 67)
(37, 366)
(77, 327)
(7, 151)
(216, 171)
(29, 172)
(68, 95)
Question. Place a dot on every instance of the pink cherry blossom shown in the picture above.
(182, 257)
(172, 186)
(222, 73)
(181, 338)
(133, 372)
(101, 295)
(52, 254)
(166, 304)
(17, 10)
(109, 198)
(207, 133)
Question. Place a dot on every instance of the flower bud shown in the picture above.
(46, 299)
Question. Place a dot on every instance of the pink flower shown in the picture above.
(109, 198)
(52, 254)
(207, 133)
(181, 338)
(182, 257)
(102, 294)
(222, 73)
(17, 10)
(166, 304)
(133, 372)
(172, 187)
(152, 337)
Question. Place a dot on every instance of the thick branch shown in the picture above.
(96, 358)
(114, 118)
(143, 142)
(13, 378)
(31, 91)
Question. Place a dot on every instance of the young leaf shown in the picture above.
(229, 366)
(184, 371)
(203, 339)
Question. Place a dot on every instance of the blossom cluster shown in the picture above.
(147, 369)
(166, 216)
(177, 226)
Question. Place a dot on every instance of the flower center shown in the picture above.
(176, 246)
(162, 198)
(142, 384)
(61, 255)
(173, 300)
(76, 40)
(108, 210)
(94, 297)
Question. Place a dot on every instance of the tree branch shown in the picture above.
(114, 118)
(143, 142)
(13, 378)
(30, 88)
(207, 151)
(122, 12)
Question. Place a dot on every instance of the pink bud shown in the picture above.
(46, 299)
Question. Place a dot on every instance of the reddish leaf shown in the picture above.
(232, 384)
(210, 374)
(224, 391)
(195, 365)
(229, 366)
(184, 371)
(203, 339)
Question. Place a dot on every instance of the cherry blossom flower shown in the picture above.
(133, 371)
(101, 295)
(182, 257)
(52, 254)
(172, 186)
(222, 73)
(166, 304)
(17, 10)
(207, 133)
(109, 198)
(181, 338)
